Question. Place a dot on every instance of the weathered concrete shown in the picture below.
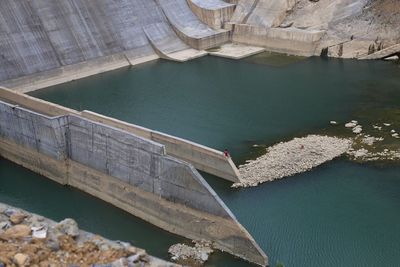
(73, 72)
(189, 28)
(242, 11)
(129, 171)
(214, 13)
(44, 42)
(384, 53)
(236, 51)
(168, 45)
(289, 41)
(203, 158)
(269, 13)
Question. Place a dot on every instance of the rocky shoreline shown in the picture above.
(27, 239)
(377, 142)
(289, 158)
(187, 255)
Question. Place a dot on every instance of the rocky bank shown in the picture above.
(289, 158)
(27, 239)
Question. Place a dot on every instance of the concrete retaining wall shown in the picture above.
(129, 171)
(289, 41)
(214, 13)
(203, 158)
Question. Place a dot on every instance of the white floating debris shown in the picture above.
(333, 122)
(387, 124)
(395, 135)
(289, 158)
(392, 131)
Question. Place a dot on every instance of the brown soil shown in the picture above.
(69, 254)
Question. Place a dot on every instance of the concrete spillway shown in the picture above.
(189, 27)
(168, 45)
(77, 38)
(132, 172)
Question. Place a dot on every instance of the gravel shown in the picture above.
(289, 158)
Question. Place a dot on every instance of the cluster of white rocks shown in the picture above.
(192, 256)
(365, 153)
(289, 158)
(302, 154)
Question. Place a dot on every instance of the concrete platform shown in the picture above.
(188, 54)
(236, 51)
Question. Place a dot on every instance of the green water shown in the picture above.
(340, 214)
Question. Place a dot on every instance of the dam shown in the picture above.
(132, 136)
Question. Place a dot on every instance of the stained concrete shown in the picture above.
(214, 13)
(236, 51)
(203, 158)
(44, 42)
(280, 40)
(168, 45)
(127, 170)
(189, 27)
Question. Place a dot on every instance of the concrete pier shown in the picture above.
(132, 172)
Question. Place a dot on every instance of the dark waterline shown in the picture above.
(340, 214)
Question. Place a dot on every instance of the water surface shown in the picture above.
(340, 214)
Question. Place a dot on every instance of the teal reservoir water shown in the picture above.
(339, 214)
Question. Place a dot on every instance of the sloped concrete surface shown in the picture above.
(189, 27)
(44, 35)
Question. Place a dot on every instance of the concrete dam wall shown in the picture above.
(42, 36)
(132, 172)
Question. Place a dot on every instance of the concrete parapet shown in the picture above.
(129, 171)
(33, 103)
(203, 158)
(288, 40)
(214, 13)
(34, 130)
